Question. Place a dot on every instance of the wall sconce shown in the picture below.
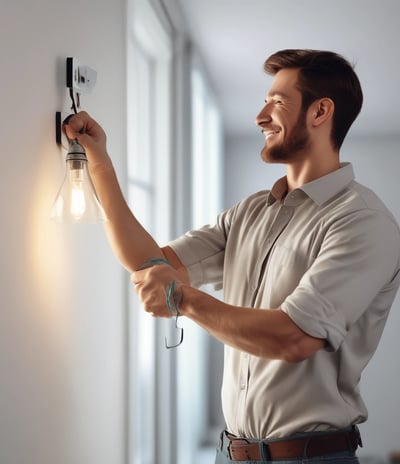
(76, 201)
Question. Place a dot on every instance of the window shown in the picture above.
(167, 389)
(206, 180)
(149, 168)
(206, 152)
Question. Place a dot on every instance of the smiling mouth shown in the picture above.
(269, 133)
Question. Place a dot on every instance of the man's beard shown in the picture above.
(297, 141)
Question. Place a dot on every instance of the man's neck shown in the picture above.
(305, 170)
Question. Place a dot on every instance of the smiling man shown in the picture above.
(309, 270)
(286, 132)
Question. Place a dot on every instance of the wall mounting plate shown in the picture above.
(61, 138)
(58, 128)
(80, 78)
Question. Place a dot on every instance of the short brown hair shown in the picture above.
(323, 74)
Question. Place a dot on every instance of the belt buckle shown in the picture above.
(241, 453)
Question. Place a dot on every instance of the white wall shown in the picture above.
(62, 310)
(245, 173)
(376, 163)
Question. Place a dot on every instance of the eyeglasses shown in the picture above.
(173, 297)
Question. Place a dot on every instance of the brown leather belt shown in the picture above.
(240, 449)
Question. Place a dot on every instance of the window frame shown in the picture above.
(149, 372)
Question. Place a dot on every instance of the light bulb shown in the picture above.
(77, 200)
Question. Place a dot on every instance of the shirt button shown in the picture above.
(242, 386)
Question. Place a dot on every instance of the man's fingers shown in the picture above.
(75, 123)
(82, 123)
(138, 276)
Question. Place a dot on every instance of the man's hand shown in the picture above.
(91, 136)
(152, 286)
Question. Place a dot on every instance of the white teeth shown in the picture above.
(269, 133)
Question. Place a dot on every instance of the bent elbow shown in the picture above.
(293, 354)
(301, 350)
(294, 357)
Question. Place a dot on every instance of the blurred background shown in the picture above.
(84, 374)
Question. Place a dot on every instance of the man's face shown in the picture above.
(282, 120)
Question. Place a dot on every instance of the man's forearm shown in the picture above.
(130, 242)
(267, 333)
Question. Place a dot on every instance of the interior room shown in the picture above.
(85, 375)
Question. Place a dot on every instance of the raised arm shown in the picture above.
(131, 243)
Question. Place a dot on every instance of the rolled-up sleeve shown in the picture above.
(202, 251)
(355, 270)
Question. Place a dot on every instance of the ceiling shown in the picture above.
(234, 37)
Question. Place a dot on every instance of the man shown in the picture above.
(309, 271)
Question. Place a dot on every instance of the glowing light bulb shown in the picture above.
(77, 200)
(78, 203)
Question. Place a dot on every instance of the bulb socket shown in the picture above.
(76, 152)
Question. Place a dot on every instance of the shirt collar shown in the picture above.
(319, 190)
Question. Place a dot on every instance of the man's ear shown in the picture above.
(321, 111)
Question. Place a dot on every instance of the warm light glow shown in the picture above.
(47, 256)
(77, 200)
(78, 203)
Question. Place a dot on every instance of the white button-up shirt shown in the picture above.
(328, 254)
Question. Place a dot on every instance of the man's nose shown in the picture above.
(263, 116)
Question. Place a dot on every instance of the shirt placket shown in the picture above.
(279, 224)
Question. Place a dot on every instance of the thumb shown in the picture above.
(70, 132)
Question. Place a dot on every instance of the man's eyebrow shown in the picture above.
(277, 94)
